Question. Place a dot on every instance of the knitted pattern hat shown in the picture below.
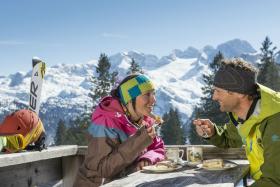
(235, 79)
(135, 87)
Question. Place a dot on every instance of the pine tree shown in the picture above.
(76, 134)
(207, 108)
(269, 71)
(193, 138)
(103, 83)
(134, 68)
(171, 130)
(61, 133)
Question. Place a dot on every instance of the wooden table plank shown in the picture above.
(33, 156)
(186, 176)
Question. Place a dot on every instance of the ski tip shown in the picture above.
(35, 60)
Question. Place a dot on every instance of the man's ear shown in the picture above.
(242, 96)
(239, 95)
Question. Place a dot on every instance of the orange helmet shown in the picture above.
(21, 129)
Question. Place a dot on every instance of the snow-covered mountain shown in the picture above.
(178, 78)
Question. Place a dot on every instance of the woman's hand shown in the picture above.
(141, 164)
(151, 132)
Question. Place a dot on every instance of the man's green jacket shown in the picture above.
(260, 134)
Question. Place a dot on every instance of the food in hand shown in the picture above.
(158, 119)
(213, 163)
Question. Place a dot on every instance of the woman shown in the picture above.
(122, 137)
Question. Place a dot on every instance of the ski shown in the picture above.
(37, 77)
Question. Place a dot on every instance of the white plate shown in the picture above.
(160, 169)
(227, 165)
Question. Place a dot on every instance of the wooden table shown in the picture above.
(186, 176)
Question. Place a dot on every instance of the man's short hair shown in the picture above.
(240, 63)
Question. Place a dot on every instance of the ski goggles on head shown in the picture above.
(34, 134)
(15, 143)
(19, 142)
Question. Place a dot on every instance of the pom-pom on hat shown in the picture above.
(134, 87)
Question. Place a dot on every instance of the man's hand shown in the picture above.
(204, 127)
(141, 164)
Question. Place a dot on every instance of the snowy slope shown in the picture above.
(179, 84)
(178, 78)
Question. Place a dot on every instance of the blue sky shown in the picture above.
(68, 31)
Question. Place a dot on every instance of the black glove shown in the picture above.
(39, 145)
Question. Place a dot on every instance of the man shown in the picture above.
(254, 112)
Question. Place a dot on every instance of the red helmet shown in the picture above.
(23, 130)
(19, 122)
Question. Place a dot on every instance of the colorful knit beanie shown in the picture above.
(134, 87)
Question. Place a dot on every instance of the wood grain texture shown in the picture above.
(187, 176)
(41, 173)
(33, 156)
